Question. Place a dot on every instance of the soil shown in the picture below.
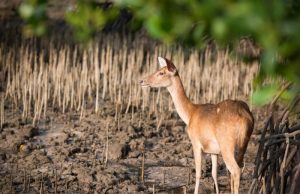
(64, 153)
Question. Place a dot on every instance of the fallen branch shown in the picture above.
(285, 135)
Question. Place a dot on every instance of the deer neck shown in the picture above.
(183, 105)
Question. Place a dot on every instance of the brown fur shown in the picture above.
(223, 128)
(214, 116)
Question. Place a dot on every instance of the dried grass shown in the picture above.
(46, 73)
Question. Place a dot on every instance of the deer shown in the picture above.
(223, 128)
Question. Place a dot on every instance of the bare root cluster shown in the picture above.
(277, 164)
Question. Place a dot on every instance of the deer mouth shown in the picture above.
(144, 84)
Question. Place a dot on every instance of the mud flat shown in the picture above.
(65, 154)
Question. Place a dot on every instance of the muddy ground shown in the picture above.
(64, 154)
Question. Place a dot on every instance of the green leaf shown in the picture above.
(219, 28)
(26, 10)
(264, 95)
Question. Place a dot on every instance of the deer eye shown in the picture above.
(161, 73)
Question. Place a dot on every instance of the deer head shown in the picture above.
(163, 77)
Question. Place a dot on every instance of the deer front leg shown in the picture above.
(198, 159)
(214, 163)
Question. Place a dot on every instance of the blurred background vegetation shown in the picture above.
(274, 26)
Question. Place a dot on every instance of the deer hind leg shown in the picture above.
(198, 159)
(227, 151)
(242, 143)
(214, 162)
(241, 152)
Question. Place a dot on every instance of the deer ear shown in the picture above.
(171, 67)
(162, 62)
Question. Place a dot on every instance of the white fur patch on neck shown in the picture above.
(162, 62)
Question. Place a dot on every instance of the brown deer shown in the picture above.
(223, 128)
